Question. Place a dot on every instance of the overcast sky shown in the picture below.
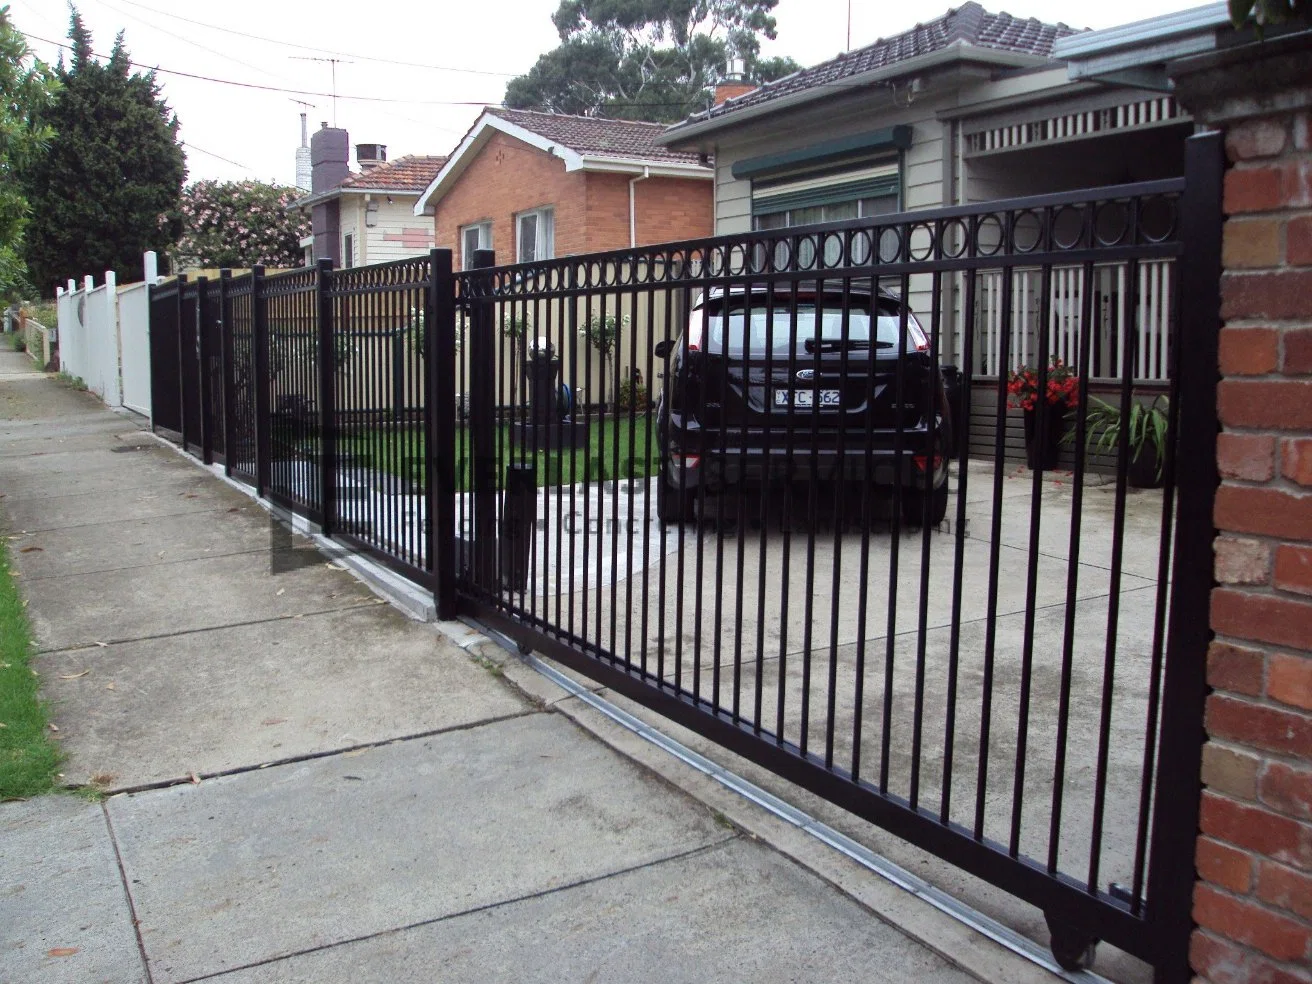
(412, 75)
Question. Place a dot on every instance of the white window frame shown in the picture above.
(348, 249)
(545, 230)
(484, 230)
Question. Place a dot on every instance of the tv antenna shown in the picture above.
(334, 62)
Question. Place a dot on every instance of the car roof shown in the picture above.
(856, 285)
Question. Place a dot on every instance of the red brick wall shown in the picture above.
(507, 177)
(591, 208)
(1253, 900)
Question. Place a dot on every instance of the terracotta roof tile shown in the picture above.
(970, 24)
(410, 173)
(589, 135)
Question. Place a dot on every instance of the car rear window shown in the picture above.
(756, 333)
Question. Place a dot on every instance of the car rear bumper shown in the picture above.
(719, 469)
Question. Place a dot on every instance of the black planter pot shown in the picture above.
(1044, 456)
(1143, 470)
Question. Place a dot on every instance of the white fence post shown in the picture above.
(108, 354)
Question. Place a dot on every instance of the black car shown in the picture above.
(775, 383)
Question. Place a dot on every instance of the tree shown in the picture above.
(646, 59)
(240, 224)
(110, 184)
(1268, 11)
(27, 87)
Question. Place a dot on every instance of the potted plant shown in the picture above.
(1061, 391)
(1145, 432)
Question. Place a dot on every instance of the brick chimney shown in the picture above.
(731, 89)
(330, 163)
(734, 83)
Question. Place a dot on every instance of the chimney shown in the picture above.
(330, 158)
(370, 155)
(733, 84)
(303, 168)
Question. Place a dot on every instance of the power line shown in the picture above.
(209, 153)
(328, 51)
(195, 44)
(273, 88)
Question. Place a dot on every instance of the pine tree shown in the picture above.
(110, 184)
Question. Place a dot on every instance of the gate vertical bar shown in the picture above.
(229, 375)
(440, 429)
(327, 401)
(260, 344)
(1175, 813)
(482, 422)
(182, 364)
(202, 371)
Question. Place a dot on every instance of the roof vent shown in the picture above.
(370, 155)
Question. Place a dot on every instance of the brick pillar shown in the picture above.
(1253, 896)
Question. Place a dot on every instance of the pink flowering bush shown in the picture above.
(239, 224)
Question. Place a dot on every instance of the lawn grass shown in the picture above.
(401, 452)
(29, 760)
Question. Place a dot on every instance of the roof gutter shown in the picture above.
(651, 169)
(959, 51)
(1137, 54)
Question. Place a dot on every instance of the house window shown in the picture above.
(474, 237)
(348, 250)
(534, 235)
(830, 195)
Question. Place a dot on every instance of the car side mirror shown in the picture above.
(663, 348)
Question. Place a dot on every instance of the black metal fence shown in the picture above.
(721, 477)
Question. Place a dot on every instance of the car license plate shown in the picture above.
(806, 397)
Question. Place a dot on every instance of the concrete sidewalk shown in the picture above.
(305, 785)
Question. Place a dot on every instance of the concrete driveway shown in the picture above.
(724, 609)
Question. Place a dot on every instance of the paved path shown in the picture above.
(306, 786)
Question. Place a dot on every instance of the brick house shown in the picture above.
(534, 186)
(365, 216)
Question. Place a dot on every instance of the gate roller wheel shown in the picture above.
(1072, 947)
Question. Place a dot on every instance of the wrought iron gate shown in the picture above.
(628, 461)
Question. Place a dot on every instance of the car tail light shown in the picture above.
(922, 461)
(688, 461)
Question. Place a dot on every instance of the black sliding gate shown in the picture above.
(1017, 687)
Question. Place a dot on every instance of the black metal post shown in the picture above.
(260, 383)
(182, 365)
(440, 429)
(327, 401)
(229, 376)
(202, 371)
(482, 422)
(1175, 820)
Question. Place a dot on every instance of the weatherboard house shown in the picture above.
(366, 216)
(969, 107)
